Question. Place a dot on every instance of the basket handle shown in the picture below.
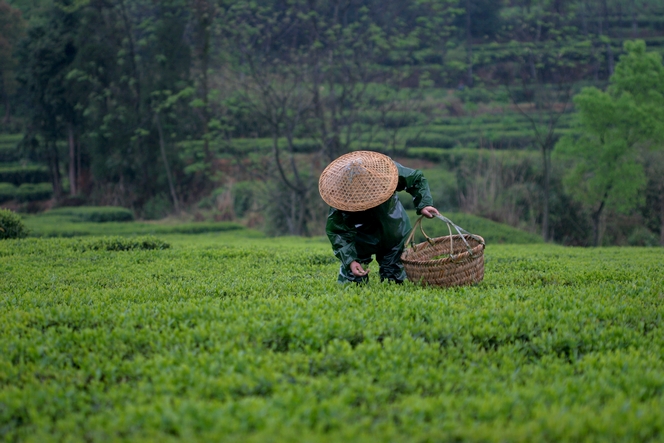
(411, 237)
(449, 223)
(460, 230)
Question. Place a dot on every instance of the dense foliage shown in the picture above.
(98, 214)
(226, 338)
(232, 108)
(71, 223)
(118, 243)
(11, 225)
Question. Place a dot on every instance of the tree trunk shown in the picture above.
(546, 163)
(609, 56)
(54, 164)
(203, 11)
(596, 218)
(328, 150)
(8, 115)
(609, 51)
(584, 19)
(586, 32)
(205, 62)
(469, 44)
(162, 146)
(333, 142)
(661, 216)
(302, 208)
(78, 164)
(531, 56)
(635, 24)
(132, 57)
(72, 160)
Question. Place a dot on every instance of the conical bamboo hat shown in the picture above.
(358, 181)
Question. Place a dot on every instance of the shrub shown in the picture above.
(24, 174)
(394, 119)
(305, 145)
(8, 147)
(475, 95)
(432, 140)
(431, 154)
(243, 197)
(28, 192)
(642, 236)
(157, 207)
(95, 214)
(7, 192)
(11, 225)
(8, 154)
(117, 243)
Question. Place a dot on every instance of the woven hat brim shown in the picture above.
(358, 181)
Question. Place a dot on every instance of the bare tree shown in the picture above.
(305, 72)
(549, 91)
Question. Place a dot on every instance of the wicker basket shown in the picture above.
(453, 260)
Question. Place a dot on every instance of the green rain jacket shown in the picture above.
(379, 230)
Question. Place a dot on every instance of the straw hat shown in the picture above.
(358, 181)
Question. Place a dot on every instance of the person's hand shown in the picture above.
(357, 269)
(429, 212)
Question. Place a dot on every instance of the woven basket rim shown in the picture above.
(458, 257)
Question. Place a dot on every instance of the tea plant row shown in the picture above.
(229, 338)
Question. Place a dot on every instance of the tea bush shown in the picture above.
(11, 225)
(8, 154)
(7, 192)
(116, 243)
(95, 214)
(54, 225)
(24, 174)
(34, 191)
(8, 147)
(228, 338)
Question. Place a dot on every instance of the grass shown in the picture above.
(225, 337)
(63, 226)
(70, 222)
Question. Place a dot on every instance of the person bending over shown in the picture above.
(366, 217)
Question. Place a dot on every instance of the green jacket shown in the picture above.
(380, 229)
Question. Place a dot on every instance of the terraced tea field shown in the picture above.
(225, 337)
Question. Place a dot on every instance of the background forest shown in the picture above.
(545, 115)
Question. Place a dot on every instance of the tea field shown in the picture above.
(228, 337)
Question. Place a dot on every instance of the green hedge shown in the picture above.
(244, 145)
(254, 341)
(8, 153)
(24, 174)
(452, 158)
(28, 192)
(11, 225)
(433, 140)
(95, 214)
(398, 119)
(116, 243)
(45, 225)
(7, 192)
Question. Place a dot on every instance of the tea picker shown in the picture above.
(366, 217)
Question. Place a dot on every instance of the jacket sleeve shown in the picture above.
(414, 183)
(342, 237)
